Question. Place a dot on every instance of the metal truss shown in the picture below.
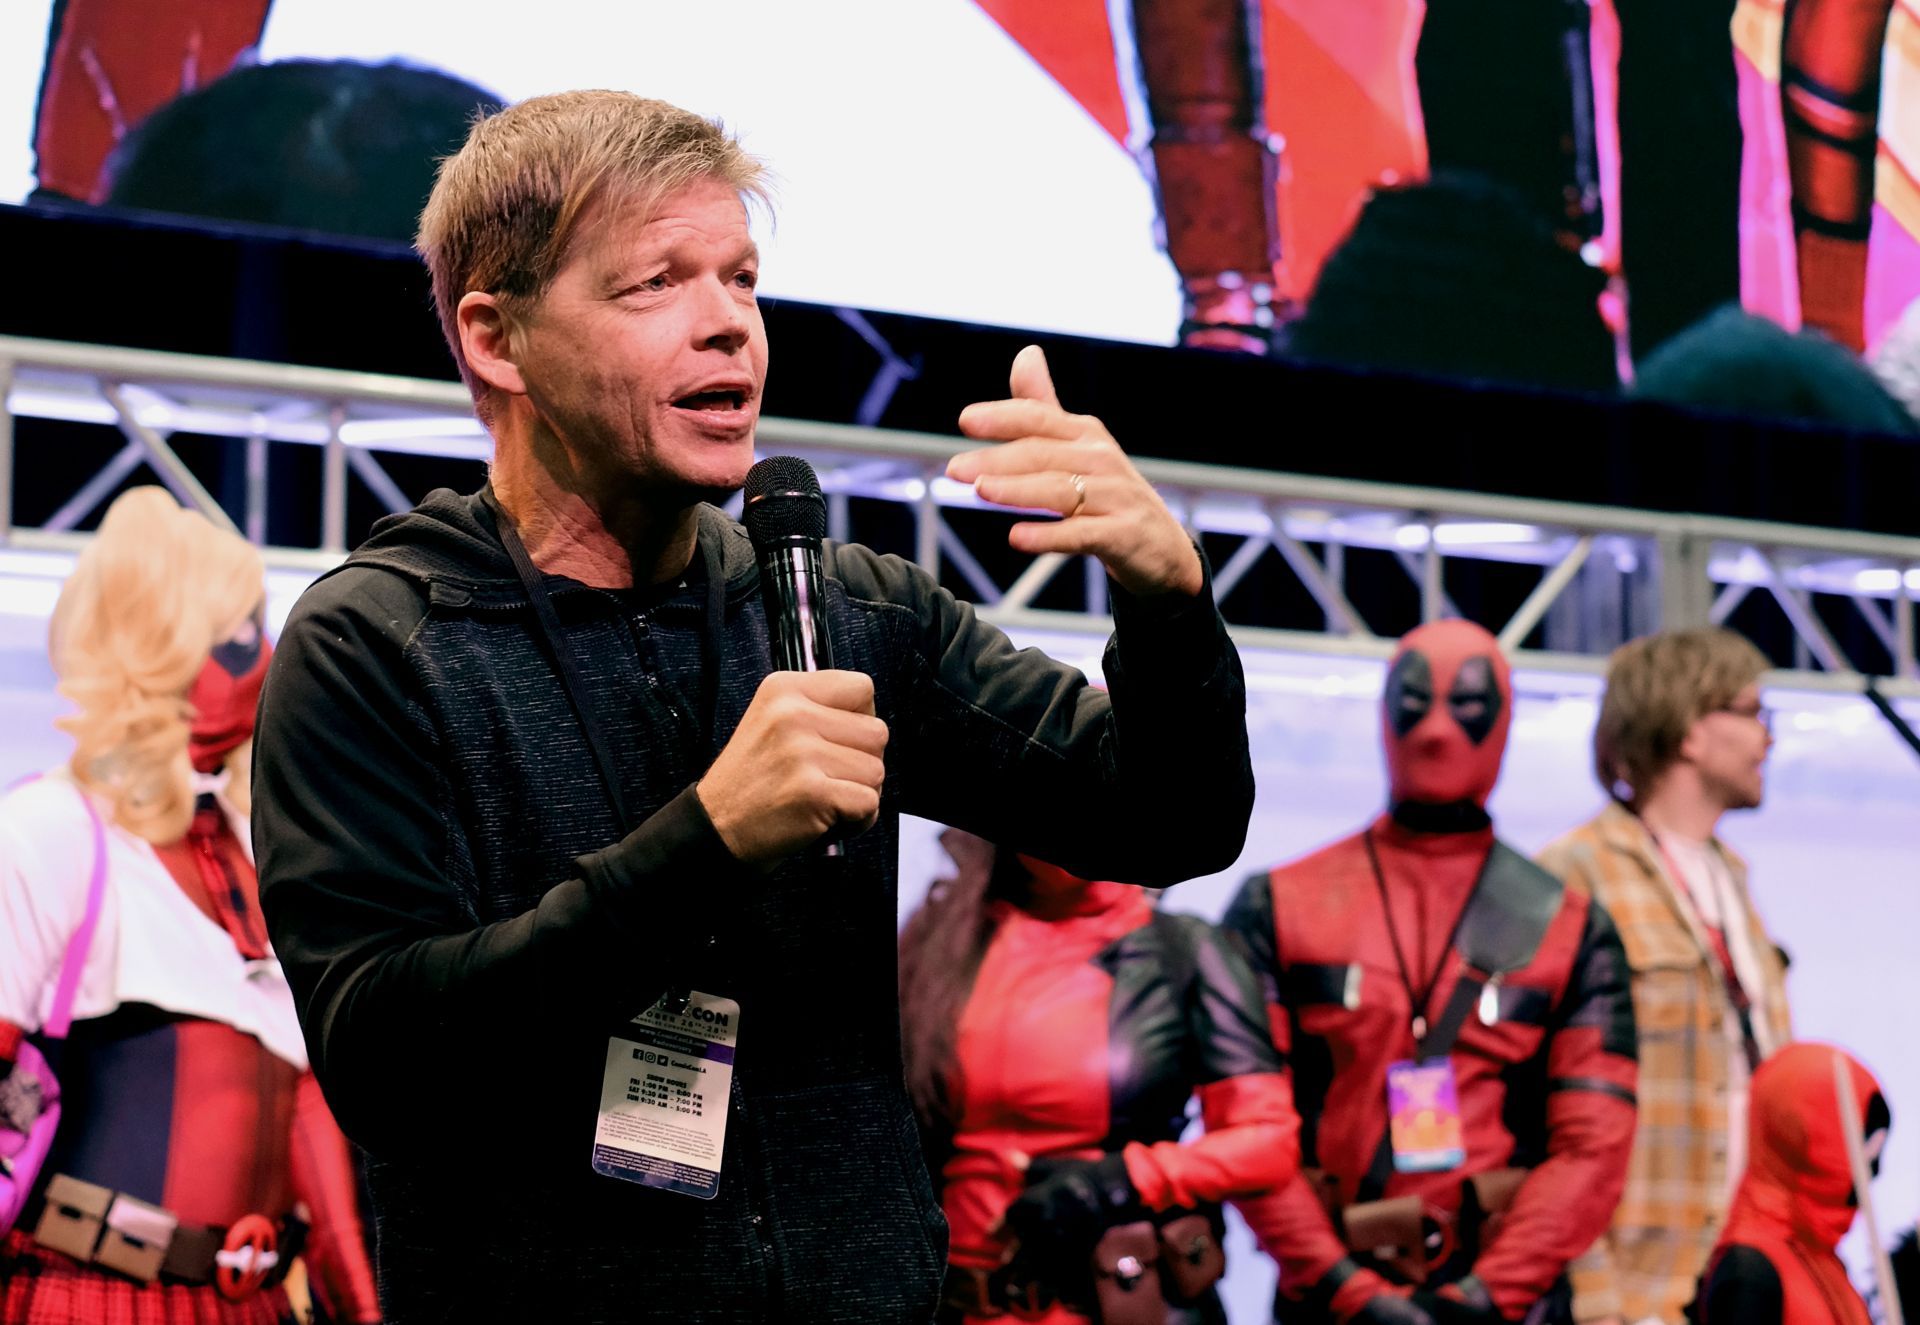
(1603, 573)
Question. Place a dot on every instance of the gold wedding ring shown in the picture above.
(1079, 482)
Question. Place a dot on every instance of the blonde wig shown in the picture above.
(151, 595)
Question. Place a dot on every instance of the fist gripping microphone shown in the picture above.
(786, 517)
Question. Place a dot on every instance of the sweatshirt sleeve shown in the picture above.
(1022, 750)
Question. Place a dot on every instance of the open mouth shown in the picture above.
(720, 399)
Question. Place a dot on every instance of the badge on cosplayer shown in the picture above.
(1423, 1112)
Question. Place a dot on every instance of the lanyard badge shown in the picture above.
(1423, 1116)
(665, 1095)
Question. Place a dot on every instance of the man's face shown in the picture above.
(646, 356)
(1729, 748)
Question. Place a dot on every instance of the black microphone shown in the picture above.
(786, 517)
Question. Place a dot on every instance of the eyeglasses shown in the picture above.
(1760, 713)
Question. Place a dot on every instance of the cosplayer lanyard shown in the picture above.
(667, 1085)
(1423, 1098)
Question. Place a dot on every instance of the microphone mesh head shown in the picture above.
(783, 502)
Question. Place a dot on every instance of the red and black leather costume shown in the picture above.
(1775, 1262)
(111, 63)
(1213, 164)
(1830, 57)
(188, 1113)
(1367, 941)
(1092, 1021)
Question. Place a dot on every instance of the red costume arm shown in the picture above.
(1251, 1145)
(1294, 1228)
(1289, 1220)
(1252, 1139)
(323, 1177)
(1568, 1199)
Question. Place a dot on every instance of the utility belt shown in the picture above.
(1405, 1240)
(98, 1226)
(1138, 1272)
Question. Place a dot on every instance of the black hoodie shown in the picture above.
(464, 923)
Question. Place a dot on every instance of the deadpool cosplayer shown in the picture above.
(193, 1158)
(1775, 1262)
(1055, 1031)
(1457, 1027)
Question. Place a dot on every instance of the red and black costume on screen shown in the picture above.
(1092, 1020)
(190, 1114)
(1213, 163)
(1426, 899)
(111, 63)
(1830, 58)
(1775, 1263)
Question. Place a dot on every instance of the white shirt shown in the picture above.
(152, 946)
(1705, 881)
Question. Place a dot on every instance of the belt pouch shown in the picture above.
(1126, 1276)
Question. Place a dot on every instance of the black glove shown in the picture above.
(1067, 1205)
(1476, 1309)
(1392, 1309)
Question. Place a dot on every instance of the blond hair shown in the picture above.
(151, 595)
(506, 207)
(1658, 686)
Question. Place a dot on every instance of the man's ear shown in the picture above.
(1690, 747)
(486, 340)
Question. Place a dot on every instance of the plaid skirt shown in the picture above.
(39, 1286)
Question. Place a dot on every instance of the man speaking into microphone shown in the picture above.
(589, 910)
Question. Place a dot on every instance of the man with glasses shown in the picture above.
(1682, 738)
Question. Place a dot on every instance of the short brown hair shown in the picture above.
(1658, 686)
(507, 206)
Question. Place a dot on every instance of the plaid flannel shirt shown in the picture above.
(1665, 1227)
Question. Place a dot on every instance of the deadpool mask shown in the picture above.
(225, 695)
(1447, 707)
(1798, 1167)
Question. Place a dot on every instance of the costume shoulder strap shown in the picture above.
(1511, 909)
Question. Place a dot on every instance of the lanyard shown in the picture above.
(1417, 1000)
(1721, 946)
(568, 667)
(564, 660)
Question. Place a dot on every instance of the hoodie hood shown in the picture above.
(450, 539)
(1799, 1181)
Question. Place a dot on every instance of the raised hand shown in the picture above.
(1048, 459)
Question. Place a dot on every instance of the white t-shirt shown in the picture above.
(1706, 881)
(153, 945)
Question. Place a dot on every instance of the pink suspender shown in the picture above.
(60, 1017)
